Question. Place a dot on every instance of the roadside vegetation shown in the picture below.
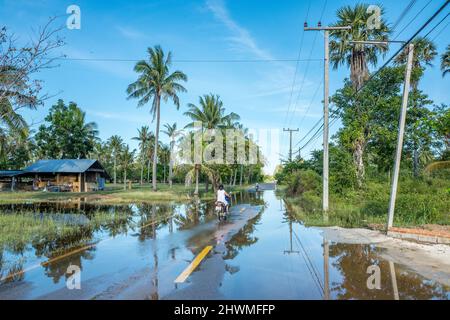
(362, 151)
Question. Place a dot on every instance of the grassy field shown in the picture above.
(419, 202)
(115, 194)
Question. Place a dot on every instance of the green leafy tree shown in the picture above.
(424, 53)
(66, 135)
(357, 57)
(155, 82)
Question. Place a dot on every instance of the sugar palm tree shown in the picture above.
(424, 54)
(357, 57)
(116, 144)
(144, 138)
(155, 82)
(172, 132)
(445, 61)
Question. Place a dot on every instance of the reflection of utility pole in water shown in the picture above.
(394, 280)
(326, 288)
(290, 240)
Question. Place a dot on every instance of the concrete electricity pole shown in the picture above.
(401, 133)
(401, 126)
(290, 141)
(326, 30)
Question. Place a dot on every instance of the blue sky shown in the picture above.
(205, 30)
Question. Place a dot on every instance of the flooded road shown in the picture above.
(259, 253)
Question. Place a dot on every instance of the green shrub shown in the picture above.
(303, 181)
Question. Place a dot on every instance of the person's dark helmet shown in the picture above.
(221, 187)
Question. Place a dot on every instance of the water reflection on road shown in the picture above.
(271, 257)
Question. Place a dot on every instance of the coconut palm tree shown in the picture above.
(424, 54)
(155, 82)
(126, 158)
(172, 132)
(357, 57)
(143, 137)
(116, 144)
(445, 61)
(211, 114)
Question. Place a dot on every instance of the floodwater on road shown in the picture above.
(259, 253)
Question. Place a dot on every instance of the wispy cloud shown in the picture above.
(130, 33)
(241, 38)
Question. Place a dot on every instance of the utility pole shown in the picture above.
(401, 133)
(290, 240)
(326, 30)
(401, 124)
(290, 141)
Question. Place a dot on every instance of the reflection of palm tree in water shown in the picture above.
(352, 262)
(154, 295)
(243, 238)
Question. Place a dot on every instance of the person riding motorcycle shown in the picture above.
(222, 198)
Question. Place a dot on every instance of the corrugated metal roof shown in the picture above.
(10, 173)
(63, 165)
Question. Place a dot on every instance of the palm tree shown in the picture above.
(116, 144)
(211, 114)
(156, 82)
(445, 61)
(357, 57)
(172, 132)
(126, 158)
(143, 137)
(424, 53)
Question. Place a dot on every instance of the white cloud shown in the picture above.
(130, 33)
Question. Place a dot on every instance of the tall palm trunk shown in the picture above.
(155, 151)
(241, 173)
(125, 179)
(359, 162)
(149, 162)
(235, 175)
(359, 74)
(115, 169)
(196, 179)
(171, 164)
(142, 169)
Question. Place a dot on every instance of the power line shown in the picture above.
(385, 64)
(403, 14)
(438, 34)
(428, 33)
(189, 60)
(307, 66)
(296, 66)
(410, 21)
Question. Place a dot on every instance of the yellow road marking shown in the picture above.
(191, 267)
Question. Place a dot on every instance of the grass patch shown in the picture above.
(115, 194)
(419, 202)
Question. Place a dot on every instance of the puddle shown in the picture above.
(271, 257)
